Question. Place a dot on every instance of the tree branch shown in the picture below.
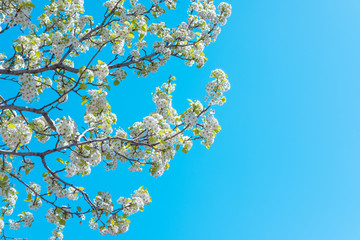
(33, 110)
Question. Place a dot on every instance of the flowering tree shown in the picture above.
(45, 58)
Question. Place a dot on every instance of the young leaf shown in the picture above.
(59, 160)
(83, 86)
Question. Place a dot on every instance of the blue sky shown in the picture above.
(286, 163)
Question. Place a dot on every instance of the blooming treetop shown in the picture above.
(46, 57)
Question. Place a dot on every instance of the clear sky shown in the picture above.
(286, 165)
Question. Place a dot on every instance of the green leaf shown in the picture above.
(218, 129)
(185, 150)
(81, 188)
(78, 208)
(91, 78)
(83, 86)
(131, 35)
(18, 48)
(44, 174)
(197, 131)
(59, 160)
(82, 69)
(116, 82)
(177, 147)
(62, 222)
(141, 37)
(152, 140)
(84, 101)
(11, 125)
(108, 87)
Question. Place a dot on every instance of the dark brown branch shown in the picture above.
(33, 110)
(39, 70)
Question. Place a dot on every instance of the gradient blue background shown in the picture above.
(286, 164)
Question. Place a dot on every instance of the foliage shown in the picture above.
(46, 59)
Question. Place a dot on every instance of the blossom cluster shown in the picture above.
(101, 73)
(42, 129)
(65, 15)
(27, 218)
(210, 128)
(98, 111)
(32, 86)
(118, 75)
(8, 193)
(136, 203)
(54, 186)
(217, 87)
(103, 201)
(15, 132)
(16, 12)
(33, 191)
(15, 225)
(67, 128)
(163, 101)
(58, 216)
(82, 161)
(116, 223)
